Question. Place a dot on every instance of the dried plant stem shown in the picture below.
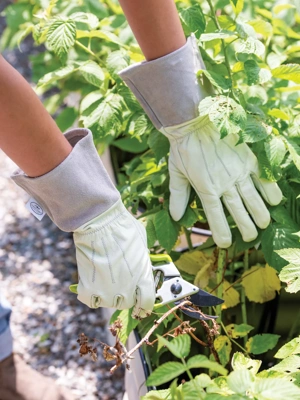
(210, 340)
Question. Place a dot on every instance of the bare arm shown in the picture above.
(156, 26)
(28, 135)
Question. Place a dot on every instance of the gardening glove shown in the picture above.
(111, 247)
(218, 169)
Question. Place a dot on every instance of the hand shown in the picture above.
(113, 263)
(218, 169)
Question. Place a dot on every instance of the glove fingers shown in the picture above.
(269, 190)
(180, 190)
(254, 203)
(238, 212)
(216, 218)
(145, 296)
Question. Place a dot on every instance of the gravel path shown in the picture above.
(37, 265)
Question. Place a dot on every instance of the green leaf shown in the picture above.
(241, 381)
(248, 47)
(280, 7)
(157, 395)
(275, 389)
(159, 144)
(179, 346)
(66, 118)
(90, 100)
(259, 344)
(290, 348)
(223, 346)
(165, 373)
(238, 331)
(151, 233)
(288, 365)
(294, 150)
(92, 73)
(276, 237)
(217, 80)
(277, 113)
(56, 75)
(115, 62)
(131, 144)
(139, 124)
(275, 150)
(224, 113)
(255, 74)
(61, 35)
(255, 130)
(201, 361)
(290, 274)
(189, 218)
(87, 18)
(191, 391)
(288, 71)
(129, 323)
(167, 230)
(222, 34)
(239, 362)
(262, 27)
(237, 6)
(194, 19)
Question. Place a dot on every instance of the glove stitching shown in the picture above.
(205, 162)
(237, 154)
(239, 225)
(248, 205)
(123, 255)
(100, 227)
(219, 158)
(109, 264)
(260, 187)
(141, 236)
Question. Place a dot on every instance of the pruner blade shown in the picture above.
(205, 299)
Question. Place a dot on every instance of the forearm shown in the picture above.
(28, 134)
(156, 26)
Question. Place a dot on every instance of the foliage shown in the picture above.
(251, 51)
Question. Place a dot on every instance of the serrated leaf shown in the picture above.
(240, 361)
(56, 75)
(275, 389)
(277, 237)
(288, 71)
(288, 364)
(157, 395)
(255, 130)
(189, 218)
(61, 35)
(179, 346)
(230, 295)
(249, 46)
(194, 19)
(90, 99)
(238, 331)
(260, 283)
(139, 124)
(294, 150)
(167, 230)
(241, 381)
(201, 361)
(259, 344)
(151, 233)
(87, 18)
(115, 62)
(275, 150)
(290, 348)
(92, 73)
(217, 80)
(237, 6)
(128, 323)
(165, 373)
(159, 144)
(290, 274)
(222, 34)
(224, 113)
(223, 346)
(255, 74)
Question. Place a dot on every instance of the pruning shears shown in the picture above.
(172, 288)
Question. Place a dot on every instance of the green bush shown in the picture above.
(251, 51)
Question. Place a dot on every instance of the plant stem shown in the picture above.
(188, 238)
(87, 50)
(219, 275)
(187, 369)
(243, 296)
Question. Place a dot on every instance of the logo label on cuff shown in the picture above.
(35, 208)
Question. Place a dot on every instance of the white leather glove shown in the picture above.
(111, 247)
(169, 92)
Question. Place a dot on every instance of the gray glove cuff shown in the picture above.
(167, 88)
(78, 189)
